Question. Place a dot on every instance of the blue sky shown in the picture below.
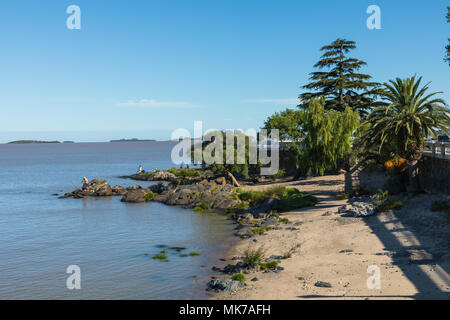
(143, 68)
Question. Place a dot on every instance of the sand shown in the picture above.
(409, 247)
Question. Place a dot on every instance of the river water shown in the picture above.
(111, 242)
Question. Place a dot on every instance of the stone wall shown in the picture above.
(434, 174)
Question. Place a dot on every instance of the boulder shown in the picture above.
(135, 196)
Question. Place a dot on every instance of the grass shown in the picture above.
(284, 220)
(183, 172)
(385, 203)
(288, 198)
(253, 257)
(194, 254)
(149, 196)
(183, 255)
(202, 206)
(291, 251)
(239, 277)
(261, 230)
(268, 265)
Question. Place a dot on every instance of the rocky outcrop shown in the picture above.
(224, 285)
(95, 188)
(100, 188)
(204, 195)
(170, 177)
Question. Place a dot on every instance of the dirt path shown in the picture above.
(340, 250)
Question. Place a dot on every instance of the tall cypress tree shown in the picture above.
(447, 57)
(341, 84)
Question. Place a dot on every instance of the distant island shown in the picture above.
(68, 142)
(131, 140)
(31, 141)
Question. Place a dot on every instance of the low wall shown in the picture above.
(434, 174)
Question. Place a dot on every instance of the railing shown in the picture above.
(437, 150)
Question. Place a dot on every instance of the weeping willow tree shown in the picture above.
(327, 136)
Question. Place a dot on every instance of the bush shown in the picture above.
(183, 172)
(268, 265)
(261, 230)
(239, 277)
(385, 203)
(202, 206)
(252, 257)
(280, 174)
(149, 196)
(283, 220)
(288, 198)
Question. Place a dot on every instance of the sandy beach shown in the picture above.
(409, 247)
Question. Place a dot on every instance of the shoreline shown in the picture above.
(337, 251)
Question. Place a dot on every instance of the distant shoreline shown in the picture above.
(31, 141)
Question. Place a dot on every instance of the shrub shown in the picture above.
(261, 230)
(283, 220)
(385, 203)
(239, 277)
(202, 206)
(288, 198)
(292, 250)
(268, 265)
(252, 257)
(280, 174)
(183, 172)
(149, 196)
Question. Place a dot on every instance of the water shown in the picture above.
(42, 235)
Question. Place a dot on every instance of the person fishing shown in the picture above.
(85, 182)
(140, 169)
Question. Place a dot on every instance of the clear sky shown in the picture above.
(143, 68)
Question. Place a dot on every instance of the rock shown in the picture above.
(225, 285)
(358, 208)
(270, 221)
(254, 279)
(135, 187)
(420, 256)
(135, 196)
(221, 181)
(118, 190)
(322, 284)
(235, 268)
(328, 213)
(244, 233)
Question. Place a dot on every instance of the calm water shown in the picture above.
(42, 235)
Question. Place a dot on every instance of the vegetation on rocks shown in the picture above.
(239, 277)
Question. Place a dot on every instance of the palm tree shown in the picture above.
(403, 120)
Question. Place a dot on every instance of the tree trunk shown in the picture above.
(413, 176)
(233, 179)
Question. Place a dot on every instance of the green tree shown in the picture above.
(340, 83)
(289, 124)
(240, 165)
(447, 57)
(327, 136)
(403, 119)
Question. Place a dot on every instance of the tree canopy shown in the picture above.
(327, 136)
(340, 83)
